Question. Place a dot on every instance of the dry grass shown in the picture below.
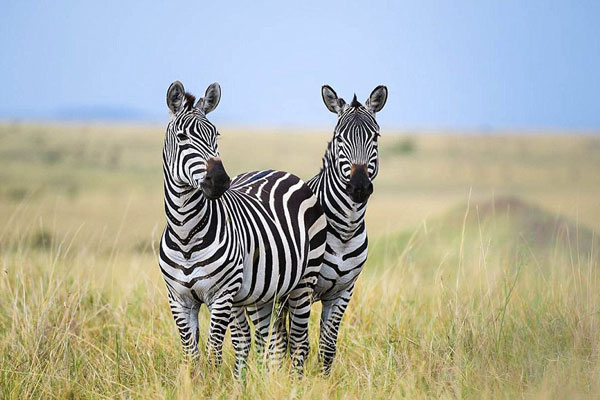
(465, 305)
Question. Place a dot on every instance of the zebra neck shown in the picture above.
(191, 219)
(345, 218)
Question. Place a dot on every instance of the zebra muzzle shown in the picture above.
(359, 187)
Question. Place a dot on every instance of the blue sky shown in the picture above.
(447, 64)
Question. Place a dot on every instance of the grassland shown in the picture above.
(482, 280)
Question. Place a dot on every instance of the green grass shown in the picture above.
(482, 279)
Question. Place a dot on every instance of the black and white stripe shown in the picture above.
(255, 241)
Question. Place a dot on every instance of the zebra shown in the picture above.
(252, 241)
(343, 187)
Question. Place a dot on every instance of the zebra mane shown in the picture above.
(355, 103)
(324, 160)
(190, 100)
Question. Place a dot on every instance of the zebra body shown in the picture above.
(223, 248)
(252, 241)
(343, 187)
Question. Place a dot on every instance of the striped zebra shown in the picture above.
(343, 187)
(254, 241)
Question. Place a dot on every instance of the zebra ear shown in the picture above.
(211, 98)
(377, 99)
(331, 100)
(175, 96)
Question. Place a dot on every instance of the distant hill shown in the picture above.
(507, 227)
(525, 222)
(103, 113)
(81, 113)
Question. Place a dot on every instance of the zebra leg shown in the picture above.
(279, 342)
(331, 317)
(241, 339)
(261, 319)
(186, 319)
(220, 318)
(299, 308)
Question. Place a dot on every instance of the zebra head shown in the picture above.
(191, 156)
(354, 146)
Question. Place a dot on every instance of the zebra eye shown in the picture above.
(182, 137)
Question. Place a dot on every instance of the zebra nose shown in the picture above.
(360, 192)
(216, 181)
(359, 187)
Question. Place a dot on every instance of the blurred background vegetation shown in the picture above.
(101, 180)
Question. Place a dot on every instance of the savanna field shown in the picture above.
(482, 279)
